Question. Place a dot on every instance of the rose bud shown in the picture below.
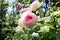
(18, 5)
(19, 29)
(58, 1)
(28, 19)
(24, 10)
(35, 5)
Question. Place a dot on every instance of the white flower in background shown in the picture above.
(9, 10)
(43, 4)
(48, 19)
(10, 1)
(43, 9)
(55, 13)
(35, 34)
(13, 0)
(44, 29)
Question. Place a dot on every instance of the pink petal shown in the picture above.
(24, 10)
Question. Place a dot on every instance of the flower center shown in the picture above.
(29, 18)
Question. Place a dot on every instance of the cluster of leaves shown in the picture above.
(7, 23)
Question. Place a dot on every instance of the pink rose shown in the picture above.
(24, 10)
(18, 5)
(28, 19)
(35, 5)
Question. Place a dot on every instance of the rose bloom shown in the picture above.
(18, 5)
(28, 19)
(35, 5)
(24, 10)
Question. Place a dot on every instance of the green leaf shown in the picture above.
(52, 34)
(20, 36)
(58, 20)
(17, 37)
(58, 35)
